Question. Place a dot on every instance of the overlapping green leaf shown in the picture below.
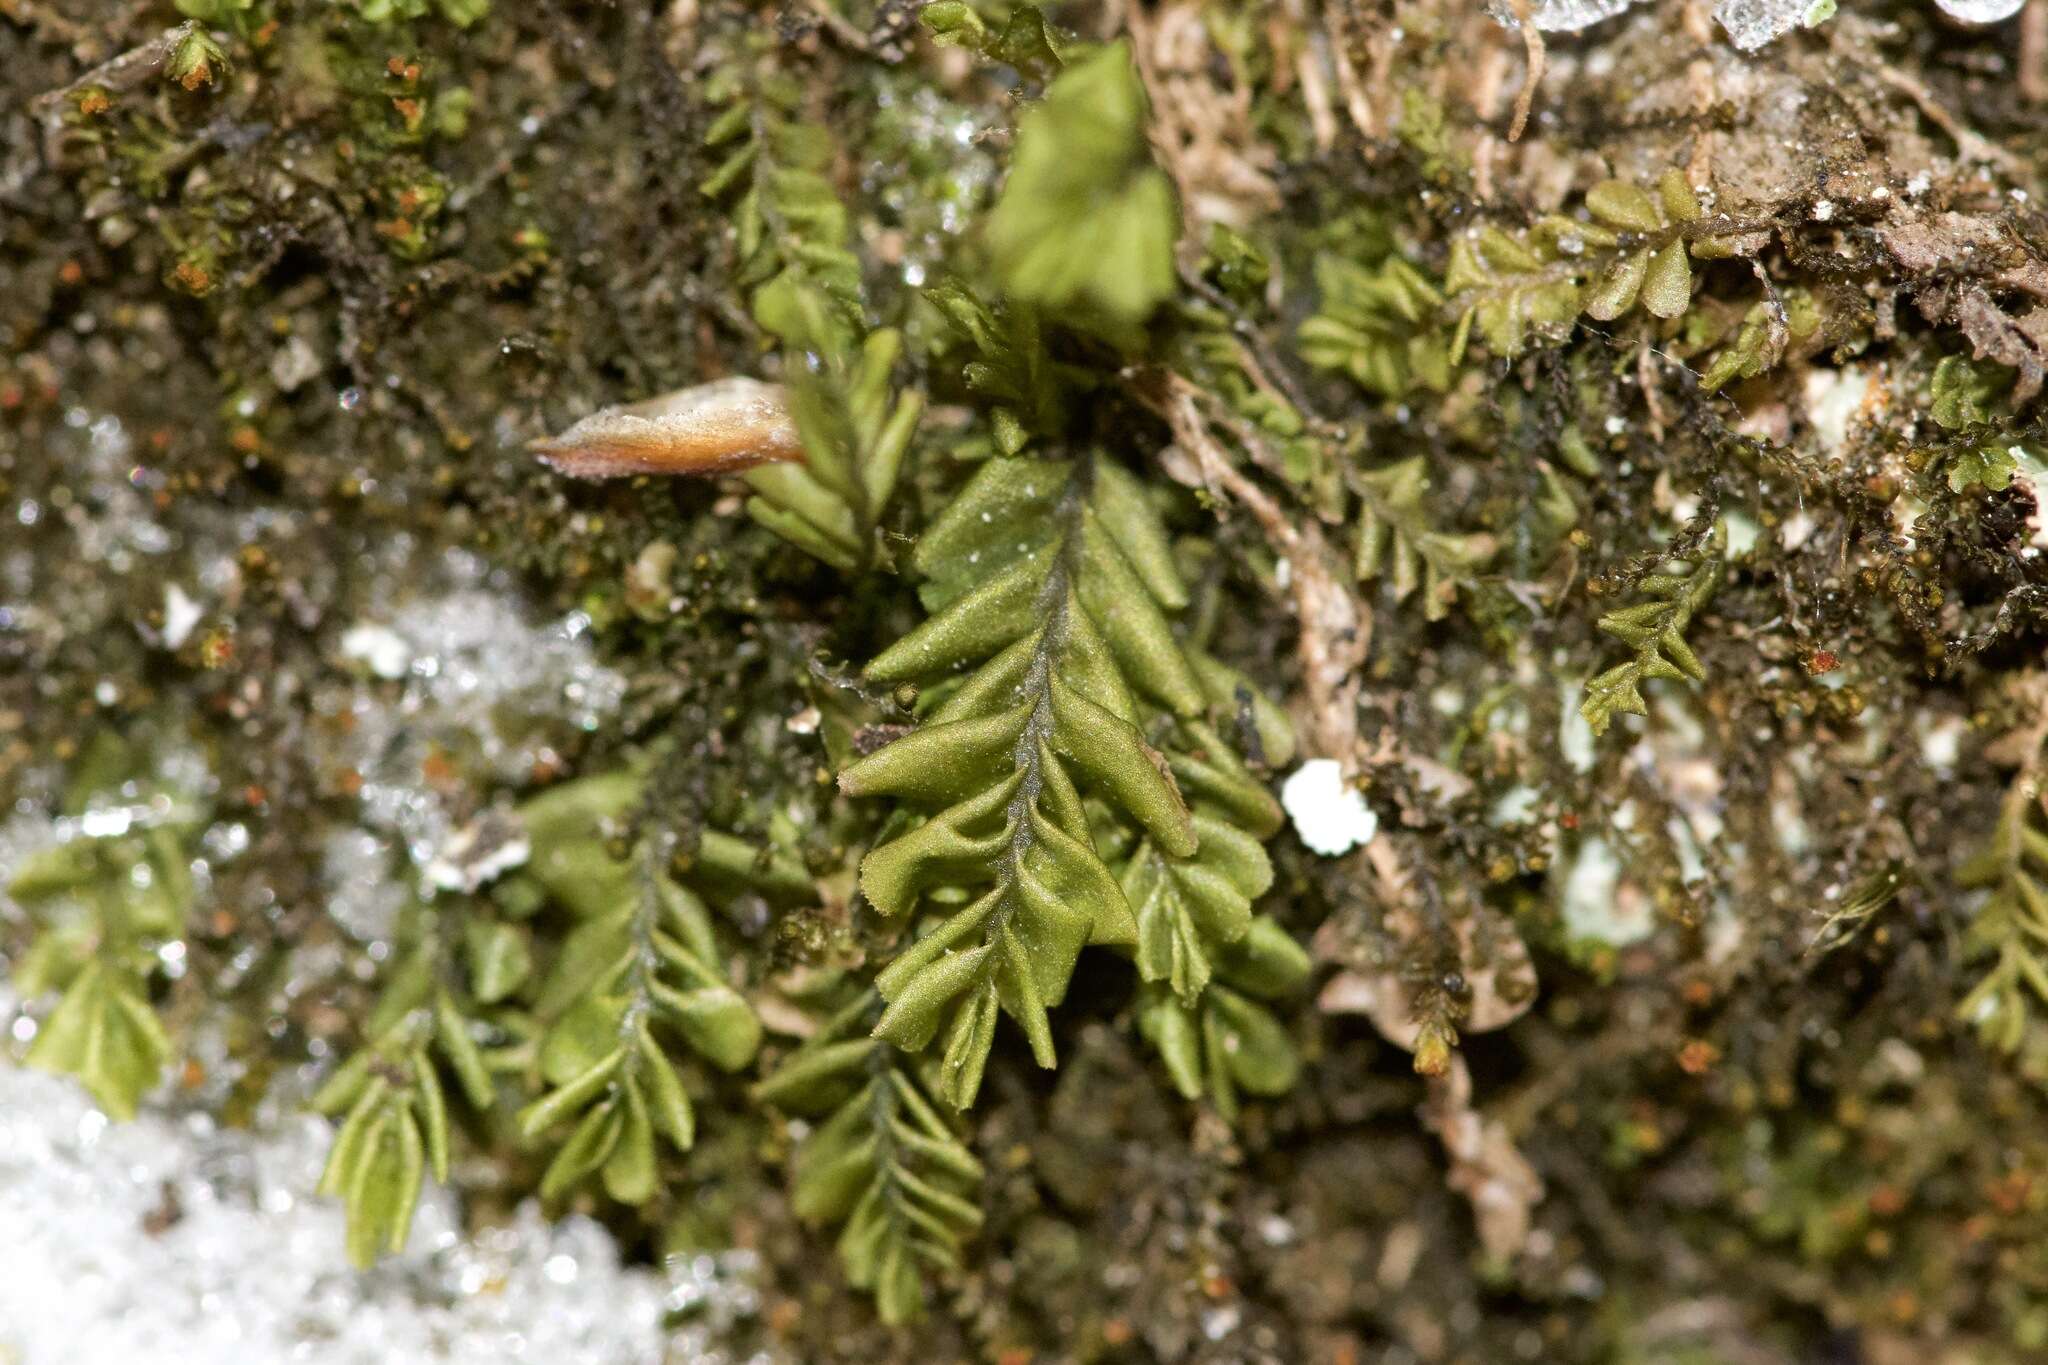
(1050, 585)
(1655, 630)
(642, 966)
(1397, 539)
(885, 1163)
(1086, 223)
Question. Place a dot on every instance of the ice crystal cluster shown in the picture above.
(173, 1239)
(1749, 23)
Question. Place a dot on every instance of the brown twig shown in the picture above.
(1336, 628)
(1532, 44)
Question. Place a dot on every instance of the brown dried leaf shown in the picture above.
(717, 428)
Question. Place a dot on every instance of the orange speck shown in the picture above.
(1697, 1057)
(94, 102)
(193, 277)
(192, 1075)
(2009, 1192)
(1887, 1200)
(408, 109)
(1697, 992)
(438, 770)
(244, 439)
(1218, 1286)
(1822, 661)
(1117, 1332)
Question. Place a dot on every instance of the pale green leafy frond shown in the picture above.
(1655, 629)
(856, 429)
(2012, 924)
(1397, 540)
(1967, 392)
(1633, 249)
(1760, 343)
(1381, 325)
(393, 1106)
(1003, 362)
(1227, 1041)
(641, 972)
(103, 906)
(1086, 222)
(1206, 958)
(1051, 642)
(1025, 40)
(770, 176)
(884, 1162)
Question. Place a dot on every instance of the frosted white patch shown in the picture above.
(1752, 23)
(484, 849)
(1741, 531)
(1574, 734)
(1328, 813)
(1594, 905)
(484, 683)
(379, 648)
(2030, 476)
(363, 896)
(181, 613)
(1691, 866)
(1907, 509)
(1941, 741)
(1980, 11)
(1516, 806)
(172, 1239)
(1833, 398)
(1797, 529)
(293, 364)
(1560, 16)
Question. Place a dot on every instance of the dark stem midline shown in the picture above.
(1052, 605)
(881, 1113)
(644, 960)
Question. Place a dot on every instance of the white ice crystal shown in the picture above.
(181, 613)
(1980, 11)
(172, 1239)
(1328, 813)
(1749, 23)
(482, 676)
(380, 649)
(1560, 16)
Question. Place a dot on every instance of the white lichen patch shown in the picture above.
(1329, 814)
